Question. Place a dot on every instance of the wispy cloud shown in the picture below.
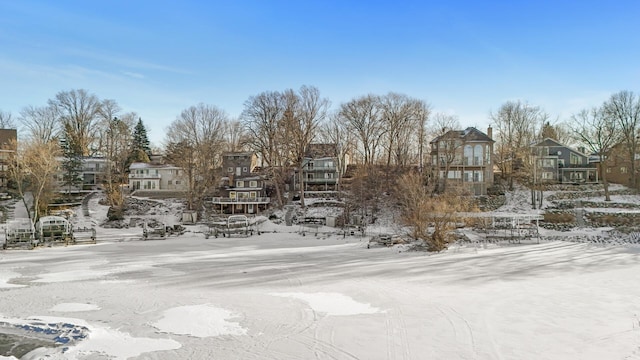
(133, 74)
(123, 61)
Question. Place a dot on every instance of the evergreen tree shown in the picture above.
(71, 163)
(140, 139)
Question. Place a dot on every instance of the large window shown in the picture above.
(468, 155)
(477, 155)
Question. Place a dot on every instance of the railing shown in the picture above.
(320, 168)
(247, 200)
(321, 181)
(144, 176)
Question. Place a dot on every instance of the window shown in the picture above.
(468, 155)
(455, 174)
(310, 165)
(244, 169)
(253, 195)
(608, 170)
(328, 175)
(239, 183)
(253, 184)
(560, 162)
(477, 155)
(477, 176)
(548, 163)
(177, 182)
(328, 164)
(574, 159)
(230, 170)
(468, 175)
(170, 182)
(547, 175)
(232, 195)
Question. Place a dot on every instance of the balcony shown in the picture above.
(328, 169)
(248, 200)
(320, 181)
(144, 176)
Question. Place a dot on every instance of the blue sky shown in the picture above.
(463, 57)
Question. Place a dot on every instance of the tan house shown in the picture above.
(8, 144)
(619, 165)
(464, 156)
(156, 177)
(242, 190)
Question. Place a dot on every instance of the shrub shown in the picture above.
(559, 218)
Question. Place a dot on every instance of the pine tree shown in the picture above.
(71, 163)
(140, 139)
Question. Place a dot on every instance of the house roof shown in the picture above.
(468, 134)
(239, 153)
(142, 165)
(6, 136)
(553, 142)
(321, 150)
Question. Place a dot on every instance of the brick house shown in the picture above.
(619, 165)
(8, 144)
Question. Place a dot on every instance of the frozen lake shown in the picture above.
(284, 296)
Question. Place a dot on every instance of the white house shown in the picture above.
(156, 177)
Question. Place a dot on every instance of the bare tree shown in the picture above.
(6, 120)
(598, 132)
(113, 143)
(624, 108)
(261, 118)
(336, 132)
(195, 143)
(448, 143)
(401, 116)
(33, 171)
(364, 118)
(41, 123)
(516, 125)
(423, 114)
(79, 112)
(304, 111)
(431, 217)
(235, 136)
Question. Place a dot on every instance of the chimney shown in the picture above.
(490, 132)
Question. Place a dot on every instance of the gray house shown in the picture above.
(320, 168)
(558, 163)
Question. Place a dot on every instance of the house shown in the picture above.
(8, 145)
(156, 177)
(93, 172)
(464, 156)
(558, 163)
(319, 169)
(90, 174)
(242, 190)
(618, 166)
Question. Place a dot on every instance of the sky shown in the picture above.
(464, 58)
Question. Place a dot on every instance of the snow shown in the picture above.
(199, 321)
(74, 307)
(280, 295)
(332, 303)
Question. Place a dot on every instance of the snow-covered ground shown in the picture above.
(280, 295)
